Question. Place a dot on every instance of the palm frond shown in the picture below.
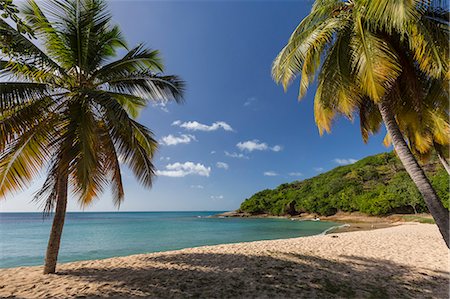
(86, 172)
(28, 72)
(112, 165)
(429, 44)
(18, 120)
(369, 118)
(137, 59)
(374, 61)
(323, 115)
(148, 85)
(339, 91)
(44, 29)
(18, 93)
(14, 44)
(23, 159)
(302, 52)
(390, 15)
(134, 143)
(131, 103)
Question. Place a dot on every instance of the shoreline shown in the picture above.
(326, 231)
(354, 221)
(412, 255)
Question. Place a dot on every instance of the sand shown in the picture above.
(405, 261)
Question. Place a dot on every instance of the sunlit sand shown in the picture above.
(408, 260)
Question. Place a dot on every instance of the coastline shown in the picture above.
(412, 255)
(354, 221)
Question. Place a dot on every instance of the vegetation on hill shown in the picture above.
(375, 185)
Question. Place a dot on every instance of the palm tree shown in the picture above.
(365, 51)
(68, 107)
(426, 125)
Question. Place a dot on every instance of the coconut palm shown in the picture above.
(366, 53)
(426, 126)
(66, 106)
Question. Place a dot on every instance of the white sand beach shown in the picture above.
(408, 261)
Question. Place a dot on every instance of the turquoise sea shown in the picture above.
(92, 235)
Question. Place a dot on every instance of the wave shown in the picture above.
(334, 227)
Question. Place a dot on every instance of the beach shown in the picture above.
(409, 260)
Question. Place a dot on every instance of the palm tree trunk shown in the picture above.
(443, 161)
(434, 204)
(57, 226)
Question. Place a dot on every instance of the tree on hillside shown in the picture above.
(368, 55)
(69, 107)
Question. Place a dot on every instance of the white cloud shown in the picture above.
(197, 187)
(344, 161)
(196, 126)
(222, 165)
(270, 173)
(277, 148)
(213, 152)
(216, 197)
(164, 158)
(256, 145)
(295, 174)
(252, 145)
(250, 101)
(318, 169)
(162, 106)
(178, 170)
(236, 155)
(174, 140)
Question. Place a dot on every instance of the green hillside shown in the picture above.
(376, 185)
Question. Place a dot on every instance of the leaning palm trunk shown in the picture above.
(434, 204)
(57, 227)
(443, 161)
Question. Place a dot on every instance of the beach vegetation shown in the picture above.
(68, 107)
(384, 62)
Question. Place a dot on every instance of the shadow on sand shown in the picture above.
(208, 275)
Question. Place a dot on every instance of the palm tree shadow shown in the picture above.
(213, 275)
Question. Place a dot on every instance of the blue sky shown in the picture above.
(238, 132)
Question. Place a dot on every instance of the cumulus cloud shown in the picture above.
(295, 174)
(318, 169)
(222, 165)
(216, 197)
(256, 145)
(344, 161)
(164, 158)
(235, 155)
(270, 173)
(178, 170)
(196, 126)
(174, 140)
(197, 187)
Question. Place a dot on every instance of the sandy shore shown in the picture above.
(405, 261)
(355, 221)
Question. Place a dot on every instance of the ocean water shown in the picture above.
(91, 235)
